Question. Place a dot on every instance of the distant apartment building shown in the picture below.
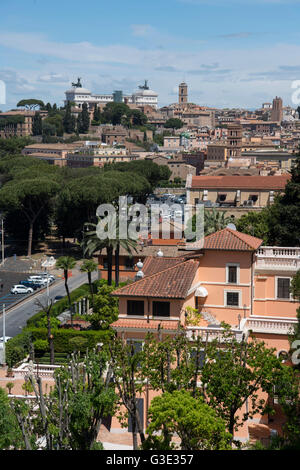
(217, 152)
(55, 154)
(16, 124)
(114, 135)
(178, 166)
(195, 159)
(97, 156)
(235, 191)
(260, 127)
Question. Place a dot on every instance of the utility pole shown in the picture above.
(48, 299)
(2, 240)
(4, 338)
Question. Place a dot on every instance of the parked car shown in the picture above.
(45, 275)
(57, 298)
(19, 289)
(35, 285)
(6, 338)
(39, 279)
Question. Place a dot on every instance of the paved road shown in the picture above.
(16, 317)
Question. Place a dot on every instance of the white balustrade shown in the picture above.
(37, 370)
(273, 257)
(271, 325)
(210, 333)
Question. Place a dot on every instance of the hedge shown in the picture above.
(17, 348)
(62, 337)
(63, 304)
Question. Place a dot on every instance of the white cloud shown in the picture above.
(217, 76)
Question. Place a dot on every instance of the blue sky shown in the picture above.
(232, 53)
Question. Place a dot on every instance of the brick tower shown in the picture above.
(183, 94)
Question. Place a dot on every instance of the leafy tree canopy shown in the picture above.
(30, 103)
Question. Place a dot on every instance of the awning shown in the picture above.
(201, 292)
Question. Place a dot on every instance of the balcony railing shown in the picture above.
(271, 325)
(274, 258)
(211, 333)
(257, 324)
(36, 369)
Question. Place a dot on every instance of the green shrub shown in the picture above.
(78, 343)
(17, 348)
(62, 338)
(41, 345)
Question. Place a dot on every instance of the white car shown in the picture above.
(6, 338)
(19, 289)
(45, 276)
(39, 279)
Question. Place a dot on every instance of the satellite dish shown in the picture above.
(231, 226)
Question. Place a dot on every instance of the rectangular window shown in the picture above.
(232, 274)
(232, 299)
(129, 263)
(137, 345)
(283, 288)
(161, 309)
(135, 307)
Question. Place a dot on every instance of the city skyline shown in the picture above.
(237, 54)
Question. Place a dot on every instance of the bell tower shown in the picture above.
(183, 94)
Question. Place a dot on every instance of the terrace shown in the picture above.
(278, 258)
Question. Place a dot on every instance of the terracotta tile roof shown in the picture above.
(227, 239)
(240, 182)
(151, 325)
(153, 265)
(173, 282)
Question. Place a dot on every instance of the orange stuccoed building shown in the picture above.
(230, 278)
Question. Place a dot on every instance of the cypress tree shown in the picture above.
(85, 119)
(37, 125)
(68, 121)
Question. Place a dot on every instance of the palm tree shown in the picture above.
(92, 243)
(215, 220)
(89, 266)
(66, 263)
(10, 386)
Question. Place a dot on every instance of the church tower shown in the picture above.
(183, 94)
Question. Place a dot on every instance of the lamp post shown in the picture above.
(48, 299)
(4, 338)
(2, 240)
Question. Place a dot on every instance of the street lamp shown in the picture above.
(4, 338)
(2, 239)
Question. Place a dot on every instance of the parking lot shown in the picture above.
(7, 281)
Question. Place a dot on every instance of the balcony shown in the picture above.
(283, 326)
(211, 333)
(36, 369)
(273, 258)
